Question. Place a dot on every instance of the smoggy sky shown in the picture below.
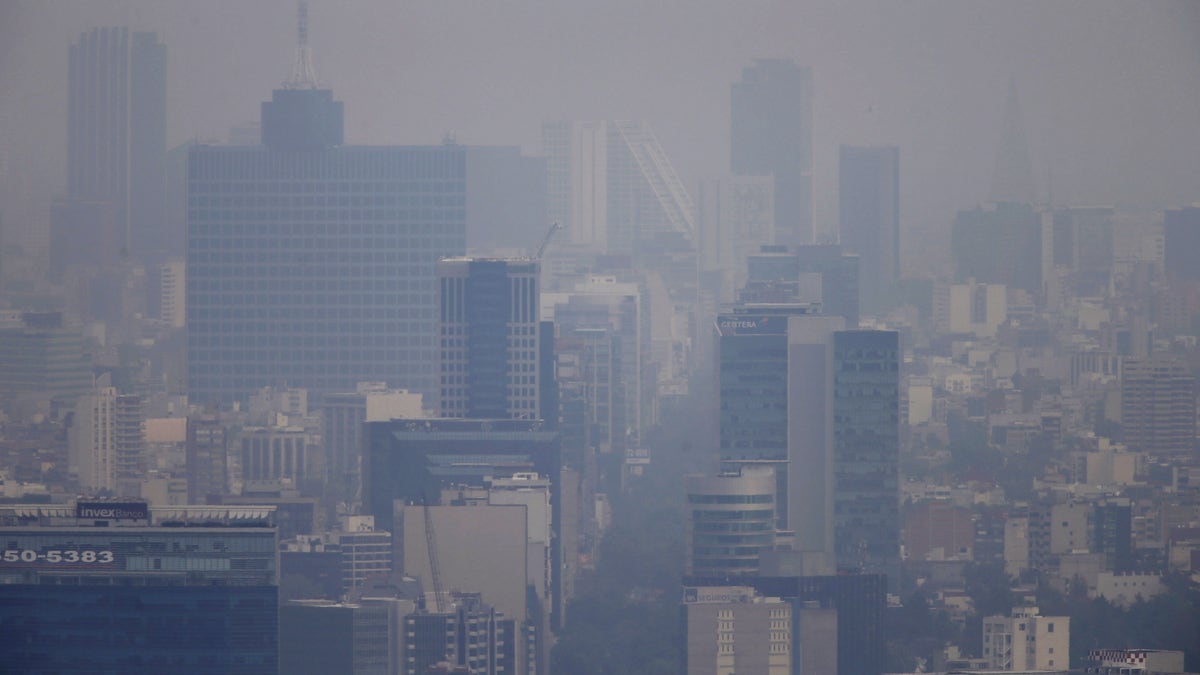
(1110, 91)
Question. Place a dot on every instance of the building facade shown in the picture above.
(1158, 407)
(866, 451)
(869, 218)
(1027, 641)
(731, 520)
(771, 134)
(184, 589)
(490, 348)
(311, 264)
(117, 140)
(735, 630)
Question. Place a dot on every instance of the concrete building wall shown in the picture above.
(734, 631)
(479, 549)
(810, 430)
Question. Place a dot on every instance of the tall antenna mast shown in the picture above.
(303, 75)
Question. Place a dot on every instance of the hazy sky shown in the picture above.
(1110, 90)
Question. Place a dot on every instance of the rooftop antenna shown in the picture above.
(303, 76)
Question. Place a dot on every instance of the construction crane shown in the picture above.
(431, 544)
(546, 240)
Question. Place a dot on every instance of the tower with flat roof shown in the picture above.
(772, 126)
(311, 263)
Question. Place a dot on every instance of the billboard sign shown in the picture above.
(112, 510)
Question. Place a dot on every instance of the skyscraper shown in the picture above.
(311, 264)
(490, 346)
(753, 381)
(1013, 179)
(777, 411)
(1181, 230)
(772, 123)
(866, 451)
(869, 218)
(117, 137)
(611, 185)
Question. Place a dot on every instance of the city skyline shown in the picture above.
(945, 112)
(846, 338)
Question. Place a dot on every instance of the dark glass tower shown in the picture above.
(866, 427)
(490, 345)
(772, 122)
(117, 138)
(869, 218)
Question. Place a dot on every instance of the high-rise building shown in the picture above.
(167, 295)
(1181, 231)
(467, 637)
(866, 451)
(417, 462)
(108, 444)
(735, 220)
(822, 273)
(1112, 533)
(311, 264)
(1013, 177)
(777, 407)
(366, 551)
(869, 218)
(42, 359)
(771, 134)
(1000, 244)
(490, 347)
(621, 310)
(753, 362)
(611, 185)
(117, 140)
(1158, 407)
(207, 457)
(342, 417)
(731, 519)
(154, 571)
(1083, 243)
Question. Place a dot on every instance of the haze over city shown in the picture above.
(1110, 90)
(600, 337)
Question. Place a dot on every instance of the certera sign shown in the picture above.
(751, 324)
(112, 510)
(698, 595)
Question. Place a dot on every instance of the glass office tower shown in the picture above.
(311, 264)
(866, 491)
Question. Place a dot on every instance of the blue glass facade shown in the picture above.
(84, 628)
(316, 268)
(138, 599)
(866, 409)
(752, 345)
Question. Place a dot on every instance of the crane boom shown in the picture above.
(546, 240)
(431, 544)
